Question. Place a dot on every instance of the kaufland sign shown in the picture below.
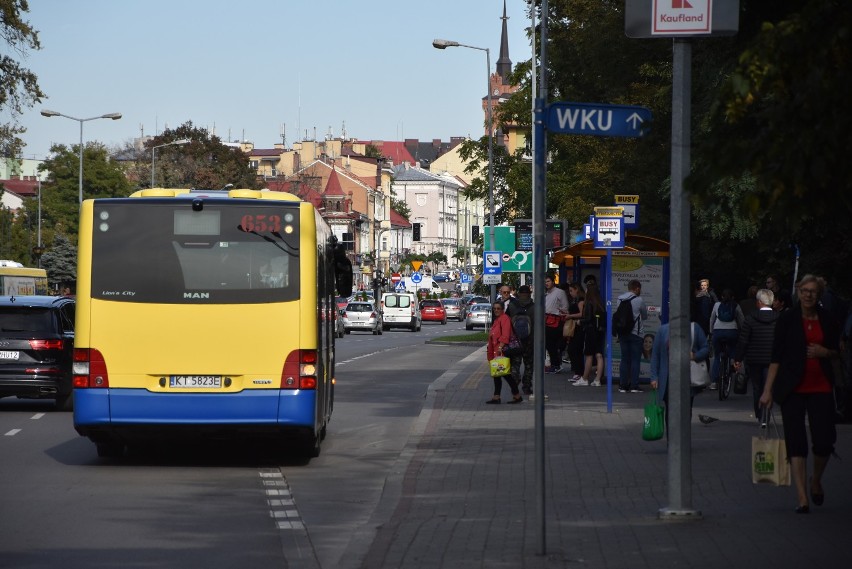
(688, 17)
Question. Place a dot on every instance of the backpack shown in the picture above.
(622, 319)
(521, 323)
(726, 312)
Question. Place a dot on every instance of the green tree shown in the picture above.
(60, 262)
(102, 178)
(400, 207)
(204, 163)
(19, 87)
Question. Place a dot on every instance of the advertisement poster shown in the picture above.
(647, 268)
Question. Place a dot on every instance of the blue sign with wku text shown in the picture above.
(597, 120)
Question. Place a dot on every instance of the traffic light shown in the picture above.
(415, 229)
(474, 233)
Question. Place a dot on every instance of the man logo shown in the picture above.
(198, 295)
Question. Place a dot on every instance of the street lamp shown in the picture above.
(444, 44)
(153, 148)
(113, 116)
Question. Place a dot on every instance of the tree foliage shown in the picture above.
(19, 87)
(204, 163)
(60, 262)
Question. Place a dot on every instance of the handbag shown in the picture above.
(769, 463)
(741, 383)
(500, 366)
(655, 422)
(569, 327)
(514, 347)
(552, 320)
(698, 374)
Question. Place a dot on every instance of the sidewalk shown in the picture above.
(463, 493)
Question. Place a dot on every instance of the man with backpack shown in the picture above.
(725, 322)
(520, 312)
(627, 325)
(754, 345)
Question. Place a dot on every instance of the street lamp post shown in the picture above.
(444, 44)
(113, 116)
(153, 148)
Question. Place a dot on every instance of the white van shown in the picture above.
(425, 282)
(400, 310)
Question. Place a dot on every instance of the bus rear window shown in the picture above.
(229, 252)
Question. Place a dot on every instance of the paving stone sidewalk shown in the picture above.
(464, 493)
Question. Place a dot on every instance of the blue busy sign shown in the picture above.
(631, 210)
(609, 228)
(493, 262)
(597, 119)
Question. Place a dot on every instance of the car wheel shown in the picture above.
(444, 321)
(469, 327)
(385, 328)
(348, 331)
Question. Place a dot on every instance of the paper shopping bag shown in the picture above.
(769, 461)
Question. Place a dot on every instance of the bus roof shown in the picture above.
(243, 193)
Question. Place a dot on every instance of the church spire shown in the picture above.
(504, 64)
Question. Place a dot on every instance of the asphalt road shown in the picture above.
(215, 505)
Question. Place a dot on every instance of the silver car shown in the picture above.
(454, 308)
(362, 316)
(478, 315)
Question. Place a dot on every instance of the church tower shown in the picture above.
(498, 82)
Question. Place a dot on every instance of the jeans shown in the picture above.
(757, 376)
(628, 370)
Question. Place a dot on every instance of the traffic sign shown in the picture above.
(400, 286)
(416, 265)
(416, 277)
(493, 263)
(465, 278)
(597, 120)
(631, 210)
(609, 228)
(396, 277)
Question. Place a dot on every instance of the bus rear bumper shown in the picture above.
(124, 413)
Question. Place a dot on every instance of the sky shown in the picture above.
(247, 68)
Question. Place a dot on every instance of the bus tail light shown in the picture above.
(300, 370)
(90, 368)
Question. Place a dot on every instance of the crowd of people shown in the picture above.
(795, 349)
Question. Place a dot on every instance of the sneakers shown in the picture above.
(622, 390)
(713, 387)
(635, 390)
(581, 382)
(577, 377)
(553, 369)
(595, 383)
(531, 397)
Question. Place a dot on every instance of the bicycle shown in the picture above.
(726, 376)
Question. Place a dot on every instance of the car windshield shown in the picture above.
(397, 301)
(480, 308)
(431, 303)
(451, 302)
(359, 307)
(25, 319)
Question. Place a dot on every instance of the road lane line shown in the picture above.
(37, 416)
(13, 432)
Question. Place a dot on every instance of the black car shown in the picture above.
(37, 347)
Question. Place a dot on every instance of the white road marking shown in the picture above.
(13, 432)
(37, 416)
(282, 506)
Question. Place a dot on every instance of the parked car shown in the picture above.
(400, 310)
(441, 278)
(339, 328)
(433, 311)
(477, 300)
(478, 315)
(362, 316)
(37, 348)
(454, 308)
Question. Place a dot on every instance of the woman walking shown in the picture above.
(498, 338)
(801, 379)
(594, 327)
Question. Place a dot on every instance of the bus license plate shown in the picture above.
(9, 355)
(190, 381)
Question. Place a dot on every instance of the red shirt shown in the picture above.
(814, 380)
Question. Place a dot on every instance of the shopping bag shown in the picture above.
(568, 327)
(740, 383)
(655, 423)
(500, 366)
(698, 374)
(769, 458)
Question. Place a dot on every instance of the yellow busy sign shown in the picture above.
(626, 199)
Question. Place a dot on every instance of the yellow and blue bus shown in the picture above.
(18, 280)
(205, 313)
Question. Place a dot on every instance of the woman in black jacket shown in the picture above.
(801, 379)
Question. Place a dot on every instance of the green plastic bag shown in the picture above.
(655, 422)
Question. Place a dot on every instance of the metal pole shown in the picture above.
(153, 148)
(539, 220)
(490, 167)
(680, 439)
(39, 222)
(81, 162)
